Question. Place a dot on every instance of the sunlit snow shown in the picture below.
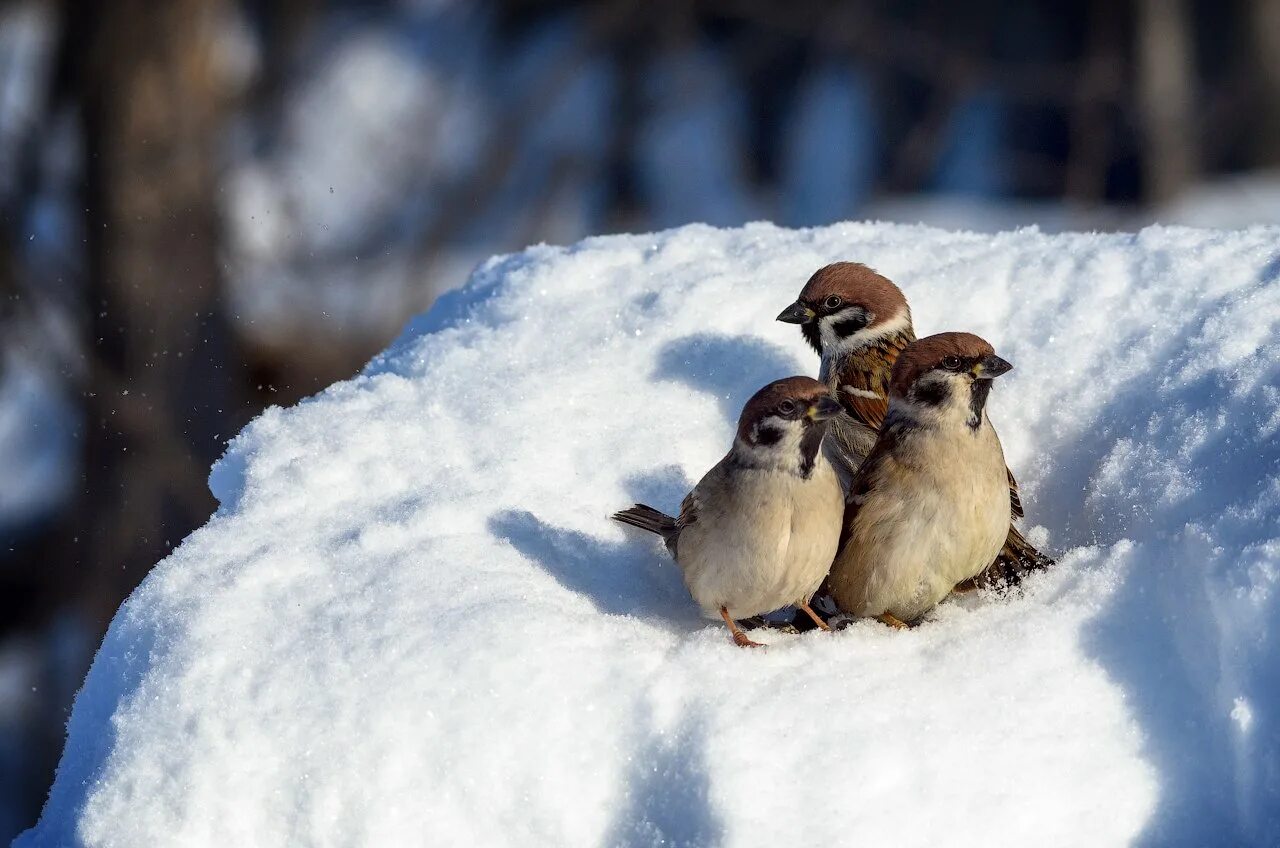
(412, 623)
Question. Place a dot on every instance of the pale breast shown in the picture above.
(763, 543)
(935, 516)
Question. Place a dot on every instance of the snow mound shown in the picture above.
(411, 622)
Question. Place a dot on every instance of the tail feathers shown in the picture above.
(648, 518)
(1017, 558)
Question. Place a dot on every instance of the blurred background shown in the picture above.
(210, 206)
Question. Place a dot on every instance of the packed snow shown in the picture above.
(411, 622)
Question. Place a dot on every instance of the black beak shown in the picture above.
(823, 409)
(796, 313)
(991, 367)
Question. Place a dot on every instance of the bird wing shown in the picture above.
(1018, 556)
(688, 511)
(864, 380)
(846, 444)
(1015, 499)
(867, 410)
(862, 485)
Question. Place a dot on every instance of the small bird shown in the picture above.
(759, 531)
(929, 507)
(859, 323)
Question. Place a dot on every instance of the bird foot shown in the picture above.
(739, 638)
(964, 587)
(892, 620)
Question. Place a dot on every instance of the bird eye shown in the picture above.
(832, 302)
(951, 363)
(787, 407)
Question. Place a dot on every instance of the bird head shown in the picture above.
(782, 425)
(944, 376)
(846, 306)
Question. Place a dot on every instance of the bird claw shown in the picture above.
(893, 621)
(739, 638)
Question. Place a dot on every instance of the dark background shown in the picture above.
(209, 206)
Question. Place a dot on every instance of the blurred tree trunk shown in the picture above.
(1097, 89)
(1264, 20)
(1166, 96)
(165, 375)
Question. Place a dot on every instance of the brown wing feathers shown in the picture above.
(870, 411)
(1017, 558)
(1015, 499)
(862, 384)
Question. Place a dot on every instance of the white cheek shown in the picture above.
(955, 409)
(834, 344)
(831, 341)
(783, 454)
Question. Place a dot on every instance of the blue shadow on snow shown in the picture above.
(731, 368)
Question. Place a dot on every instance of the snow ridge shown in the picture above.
(410, 621)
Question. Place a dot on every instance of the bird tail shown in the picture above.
(1016, 559)
(648, 518)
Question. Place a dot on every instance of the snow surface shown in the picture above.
(410, 621)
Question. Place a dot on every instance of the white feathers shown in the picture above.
(954, 409)
(774, 444)
(834, 345)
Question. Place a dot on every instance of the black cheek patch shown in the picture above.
(849, 326)
(933, 394)
(766, 435)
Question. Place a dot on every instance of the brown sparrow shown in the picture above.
(929, 507)
(859, 323)
(759, 531)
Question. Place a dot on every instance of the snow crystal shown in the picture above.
(411, 621)
(1242, 714)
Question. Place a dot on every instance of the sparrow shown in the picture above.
(759, 531)
(859, 323)
(929, 507)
